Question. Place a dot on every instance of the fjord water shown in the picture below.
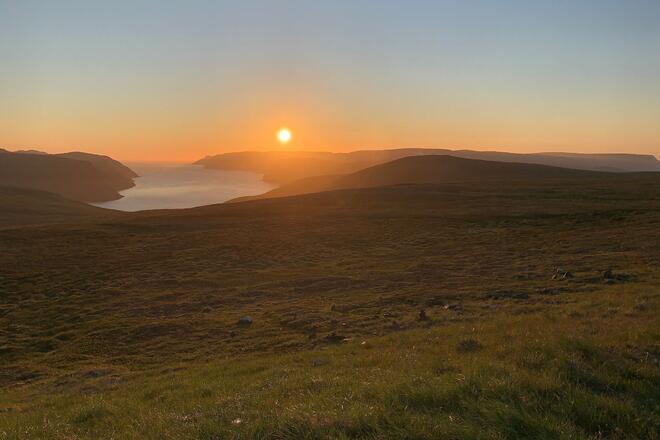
(185, 186)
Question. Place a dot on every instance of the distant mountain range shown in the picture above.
(76, 175)
(287, 166)
(430, 169)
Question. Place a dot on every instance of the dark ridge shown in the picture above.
(77, 176)
(288, 166)
(429, 170)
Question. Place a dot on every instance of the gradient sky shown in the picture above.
(177, 80)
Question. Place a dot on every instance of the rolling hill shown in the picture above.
(128, 327)
(121, 174)
(77, 176)
(287, 166)
(22, 207)
(428, 169)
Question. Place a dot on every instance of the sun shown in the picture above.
(284, 135)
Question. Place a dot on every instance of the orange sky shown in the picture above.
(165, 136)
(512, 76)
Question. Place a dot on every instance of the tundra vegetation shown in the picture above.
(473, 310)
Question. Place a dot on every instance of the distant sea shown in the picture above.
(185, 186)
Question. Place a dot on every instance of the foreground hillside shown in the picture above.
(20, 207)
(539, 301)
(431, 169)
(76, 176)
(287, 166)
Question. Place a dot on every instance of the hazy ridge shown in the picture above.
(76, 176)
(430, 169)
(287, 166)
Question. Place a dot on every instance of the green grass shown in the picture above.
(127, 327)
(564, 372)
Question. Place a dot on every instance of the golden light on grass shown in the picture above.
(284, 135)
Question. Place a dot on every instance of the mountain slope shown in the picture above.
(77, 176)
(20, 207)
(121, 175)
(427, 170)
(287, 166)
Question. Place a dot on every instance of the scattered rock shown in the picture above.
(611, 278)
(423, 316)
(232, 334)
(642, 307)
(91, 374)
(187, 418)
(319, 362)
(431, 302)
(552, 290)
(452, 307)
(245, 320)
(561, 274)
(395, 326)
(468, 345)
(507, 295)
(334, 338)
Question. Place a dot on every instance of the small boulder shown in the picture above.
(334, 338)
(319, 363)
(561, 274)
(395, 325)
(245, 320)
(468, 345)
(610, 277)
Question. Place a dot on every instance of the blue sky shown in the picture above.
(188, 78)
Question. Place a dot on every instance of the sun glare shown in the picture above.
(284, 135)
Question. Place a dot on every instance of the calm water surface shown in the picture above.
(185, 186)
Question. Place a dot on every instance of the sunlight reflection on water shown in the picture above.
(185, 186)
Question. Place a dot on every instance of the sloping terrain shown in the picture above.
(286, 166)
(429, 169)
(76, 176)
(121, 174)
(21, 207)
(539, 302)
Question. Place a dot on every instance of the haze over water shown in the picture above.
(185, 186)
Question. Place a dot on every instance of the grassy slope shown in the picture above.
(578, 366)
(140, 340)
(20, 207)
(430, 169)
